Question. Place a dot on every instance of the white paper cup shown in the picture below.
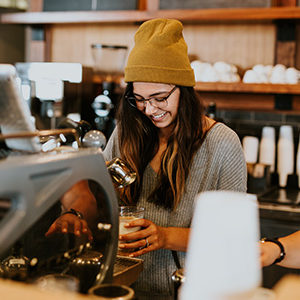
(267, 147)
(250, 147)
(223, 251)
(285, 154)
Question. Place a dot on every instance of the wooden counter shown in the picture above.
(12, 290)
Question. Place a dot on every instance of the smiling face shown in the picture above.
(160, 117)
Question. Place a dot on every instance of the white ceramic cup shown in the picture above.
(250, 147)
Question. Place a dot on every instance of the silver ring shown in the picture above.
(147, 243)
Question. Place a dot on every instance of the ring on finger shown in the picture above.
(147, 243)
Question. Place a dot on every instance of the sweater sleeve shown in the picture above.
(233, 172)
(112, 147)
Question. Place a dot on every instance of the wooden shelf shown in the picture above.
(235, 87)
(239, 87)
(118, 16)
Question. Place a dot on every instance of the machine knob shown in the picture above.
(94, 139)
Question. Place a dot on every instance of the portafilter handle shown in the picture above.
(121, 174)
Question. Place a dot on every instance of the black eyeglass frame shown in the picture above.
(132, 100)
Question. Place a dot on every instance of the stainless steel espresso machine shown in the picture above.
(30, 190)
(32, 186)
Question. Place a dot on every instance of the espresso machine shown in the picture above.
(33, 186)
(30, 190)
(108, 70)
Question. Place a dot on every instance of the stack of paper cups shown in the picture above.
(250, 147)
(267, 147)
(285, 154)
(223, 252)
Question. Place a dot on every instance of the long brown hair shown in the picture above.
(138, 140)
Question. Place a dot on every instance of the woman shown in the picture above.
(175, 150)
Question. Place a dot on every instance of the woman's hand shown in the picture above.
(268, 253)
(69, 223)
(151, 237)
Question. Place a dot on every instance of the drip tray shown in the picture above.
(290, 197)
(127, 270)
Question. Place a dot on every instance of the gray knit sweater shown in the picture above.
(219, 164)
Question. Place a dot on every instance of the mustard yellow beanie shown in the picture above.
(160, 54)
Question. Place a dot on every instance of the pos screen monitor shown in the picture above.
(15, 116)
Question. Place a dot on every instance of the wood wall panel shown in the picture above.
(37, 52)
(236, 101)
(242, 44)
(11, 43)
(247, 102)
(72, 43)
(284, 2)
(150, 5)
(208, 4)
(35, 5)
(297, 58)
(285, 53)
(296, 104)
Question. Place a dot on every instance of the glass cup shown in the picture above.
(126, 215)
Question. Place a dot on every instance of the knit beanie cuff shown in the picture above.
(181, 77)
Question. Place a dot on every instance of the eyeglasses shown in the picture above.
(158, 102)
